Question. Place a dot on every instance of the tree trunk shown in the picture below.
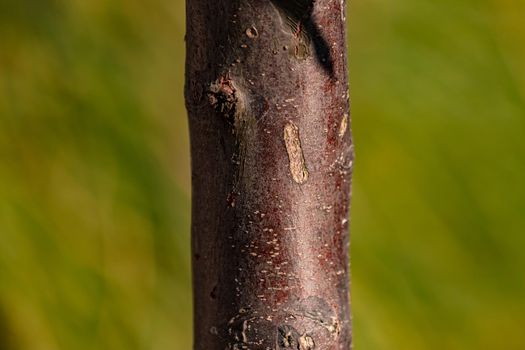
(272, 155)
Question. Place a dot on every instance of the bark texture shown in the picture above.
(272, 156)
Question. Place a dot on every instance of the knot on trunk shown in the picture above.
(223, 97)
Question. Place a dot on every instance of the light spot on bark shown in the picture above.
(295, 153)
(252, 32)
(244, 331)
(306, 343)
(334, 328)
(344, 126)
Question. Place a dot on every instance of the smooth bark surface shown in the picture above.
(272, 156)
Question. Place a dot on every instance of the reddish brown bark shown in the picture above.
(272, 159)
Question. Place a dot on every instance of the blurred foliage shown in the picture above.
(94, 175)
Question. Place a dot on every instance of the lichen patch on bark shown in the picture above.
(295, 153)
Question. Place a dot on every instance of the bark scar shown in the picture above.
(295, 153)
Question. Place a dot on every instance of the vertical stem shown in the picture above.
(272, 156)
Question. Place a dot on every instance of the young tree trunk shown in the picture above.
(272, 155)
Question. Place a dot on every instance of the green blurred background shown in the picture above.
(95, 185)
